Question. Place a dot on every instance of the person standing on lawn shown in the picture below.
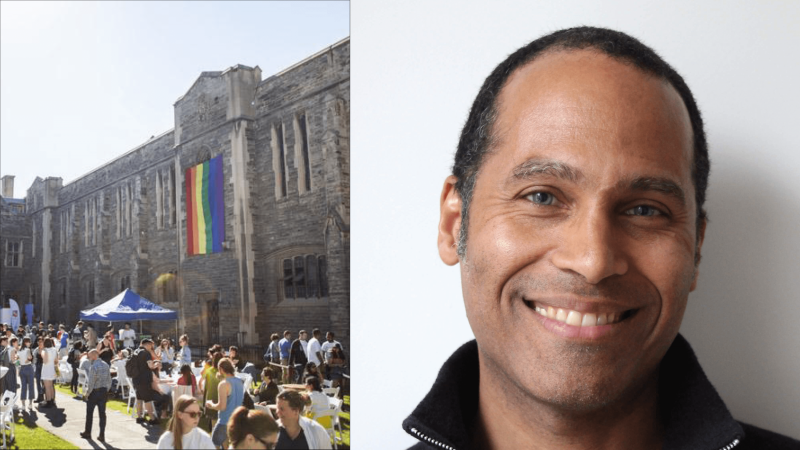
(99, 382)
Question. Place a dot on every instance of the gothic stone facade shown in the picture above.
(285, 262)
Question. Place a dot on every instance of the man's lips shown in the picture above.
(583, 314)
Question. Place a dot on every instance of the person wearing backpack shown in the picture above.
(140, 369)
(73, 359)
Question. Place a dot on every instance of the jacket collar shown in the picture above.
(694, 415)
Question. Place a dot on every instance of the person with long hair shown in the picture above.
(183, 431)
(25, 358)
(186, 352)
(187, 378)
(49, 359)
(209, 384)
(230, 393)
(252, 429)
(319, 401)
(11, 377)
(106, 348)
(166, 355)
(75, 353)
(311, 370)
(296, 431)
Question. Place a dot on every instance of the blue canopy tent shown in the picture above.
(128, 306)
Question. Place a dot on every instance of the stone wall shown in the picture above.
(124, 223)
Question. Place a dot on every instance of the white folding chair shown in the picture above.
(65, 371)
(131, 409)
(331, 392)
(83, 382)
(246, 379)
(122, 379)
(334, 417)
(7, 416)
(326, 383)
(179, 390)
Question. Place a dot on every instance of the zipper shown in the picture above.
(731, 445)
(429, 440)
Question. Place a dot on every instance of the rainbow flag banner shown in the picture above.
(205, 208)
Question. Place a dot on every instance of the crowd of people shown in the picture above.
(217, 408)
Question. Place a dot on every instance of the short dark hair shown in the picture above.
(477, 136)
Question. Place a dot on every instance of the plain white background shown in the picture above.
(416, 67)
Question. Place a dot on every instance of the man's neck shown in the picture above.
(510, 419)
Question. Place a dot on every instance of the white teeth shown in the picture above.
(574, 318)
(577, 319)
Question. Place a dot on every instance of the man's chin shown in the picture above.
(568, 387)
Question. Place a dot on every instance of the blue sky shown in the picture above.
(83, 82)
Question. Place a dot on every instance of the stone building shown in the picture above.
(283, 249)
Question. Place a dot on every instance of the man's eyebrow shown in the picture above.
(663, 185)
(549, 167)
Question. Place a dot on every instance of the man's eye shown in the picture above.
(644, 210)
(542, 198)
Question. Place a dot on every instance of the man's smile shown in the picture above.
(586, 321)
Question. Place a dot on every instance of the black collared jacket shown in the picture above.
(695, 417)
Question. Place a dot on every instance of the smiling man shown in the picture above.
(575, 209)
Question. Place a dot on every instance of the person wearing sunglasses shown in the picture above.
(183, 430)
(252, 429)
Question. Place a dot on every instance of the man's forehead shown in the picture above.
(584, 98)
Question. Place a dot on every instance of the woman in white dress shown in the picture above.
(49, 360)
(183, 431)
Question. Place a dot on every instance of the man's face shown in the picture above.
(586, 204)
(303, 336)
(329, 337)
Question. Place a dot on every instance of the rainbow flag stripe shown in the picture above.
(205, 208)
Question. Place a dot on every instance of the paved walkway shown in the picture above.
(67, 421)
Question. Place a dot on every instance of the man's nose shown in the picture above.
(590, 246)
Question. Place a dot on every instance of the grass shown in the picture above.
(112, 403)
(30, 436)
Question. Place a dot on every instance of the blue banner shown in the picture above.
(29, 313)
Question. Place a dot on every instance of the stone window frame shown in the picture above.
(280, 163)
(288, 278)
(128, 208)
(302, 153)
(66, 227)
(14, 255)
(172, 196)
(124, 282)
(90, 222)
(88, 290)
(159, 201)
(119, 212)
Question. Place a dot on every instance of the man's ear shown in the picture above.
(449, 221)
(701, 234)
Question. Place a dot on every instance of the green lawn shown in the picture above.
(30, 436)
(112, 403)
